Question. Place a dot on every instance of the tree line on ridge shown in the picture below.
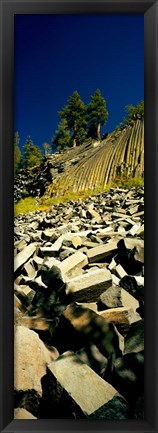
(78, 123)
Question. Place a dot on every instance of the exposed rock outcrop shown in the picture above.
(86, 167)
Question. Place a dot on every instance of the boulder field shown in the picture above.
(79, 309)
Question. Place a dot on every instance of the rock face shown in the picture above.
(112, 157)
(79, 308)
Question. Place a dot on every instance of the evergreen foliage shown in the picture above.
(32, 154)
(97, 114)
(134, 112)
(62, 136)
(75, 115)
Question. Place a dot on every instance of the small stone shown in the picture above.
(76, 242)
(53, 250)
(49, 234)
(91, 213)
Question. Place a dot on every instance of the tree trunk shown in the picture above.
(74, 135)
(98, 131)
(74, 142)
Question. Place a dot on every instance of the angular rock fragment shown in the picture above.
(139, 253)
(131, 243)
(120, 271)
(91, 305)
(20, 245)
(134, 340)
(20, 413)
(120, 317)
(125, 256)
(111, 298)
(135, 229)
(76, 241)
(129, 283)
(24, 255)
(93, 214)
(49, 234)
(30, 271)
(116, 408)
(81, 383)
(128, 301)
(88, 287)
(51, 251)
(30, 360)
(18, 304)
(76, 261)
(102, 251)
(37, 262)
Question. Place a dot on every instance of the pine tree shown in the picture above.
(134, 112)
(17, 152)
(97, 114)
(62, 137)
(75, 115)
(32, 154)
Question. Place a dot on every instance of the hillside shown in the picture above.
(86, 167)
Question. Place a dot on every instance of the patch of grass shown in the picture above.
(123, 182)
(25, 205)
(30, 204)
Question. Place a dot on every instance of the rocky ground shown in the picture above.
(79, 309)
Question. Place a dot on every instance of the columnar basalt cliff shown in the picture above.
(119, 153)
(90, 165)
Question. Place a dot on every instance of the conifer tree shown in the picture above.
(134, 112)
(97, 114)
(32, 154)
(62, 136)
(75, 115)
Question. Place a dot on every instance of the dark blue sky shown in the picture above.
(57, 54)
